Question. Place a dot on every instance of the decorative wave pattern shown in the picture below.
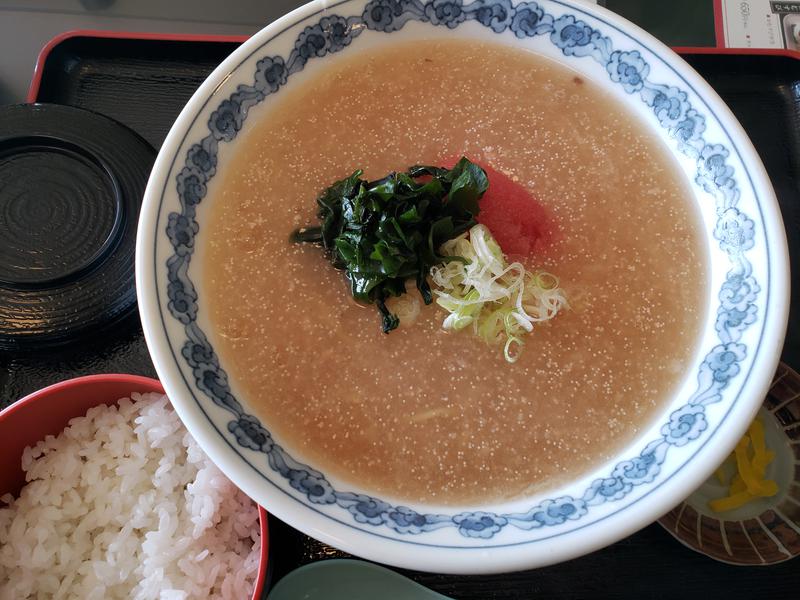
(734, 231)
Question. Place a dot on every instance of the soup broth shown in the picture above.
(421, 414)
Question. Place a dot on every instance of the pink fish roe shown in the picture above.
(517, 221)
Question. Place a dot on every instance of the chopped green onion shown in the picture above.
(501, 301)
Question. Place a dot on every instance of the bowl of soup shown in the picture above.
(630, 240)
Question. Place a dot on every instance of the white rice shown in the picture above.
(124, 504)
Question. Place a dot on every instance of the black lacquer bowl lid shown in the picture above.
(71, 185)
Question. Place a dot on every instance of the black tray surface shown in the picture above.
(144, 84)
(140, 83)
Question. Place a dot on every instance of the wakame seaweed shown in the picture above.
(384, 232)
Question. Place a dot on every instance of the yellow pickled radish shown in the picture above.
(751, 458)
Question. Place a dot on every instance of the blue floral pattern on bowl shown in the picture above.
(734, 232)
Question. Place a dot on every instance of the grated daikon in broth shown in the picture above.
(421, 414)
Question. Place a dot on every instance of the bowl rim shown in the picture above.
(151, 385)
(80, 381)
(637, 514)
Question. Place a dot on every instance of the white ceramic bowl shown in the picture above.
(740, 344)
